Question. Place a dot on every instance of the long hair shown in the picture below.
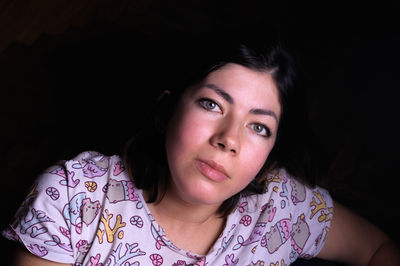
(145, 154)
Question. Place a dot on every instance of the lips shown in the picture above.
(212, 170)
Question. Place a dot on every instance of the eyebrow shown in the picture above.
(221, 92)
(264, 112)
(229, 99)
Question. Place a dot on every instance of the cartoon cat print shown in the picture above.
(81, 209)
(269, 213)
(300, 234)
(93, 167)
(83, 247)
(277, 236)
(280, 233)
(89, 210)
(120, 191)
(270, 210)
(298, 191)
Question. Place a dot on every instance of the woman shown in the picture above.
(217, 179)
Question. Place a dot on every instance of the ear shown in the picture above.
(163, 94)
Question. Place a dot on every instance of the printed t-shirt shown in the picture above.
(87, 211)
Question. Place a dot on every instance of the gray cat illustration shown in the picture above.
(298, 192)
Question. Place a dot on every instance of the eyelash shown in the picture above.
(204, 101)
(267, 131)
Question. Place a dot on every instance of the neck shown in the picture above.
(191, 227)
(173, 209)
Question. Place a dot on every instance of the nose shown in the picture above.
(227, 138)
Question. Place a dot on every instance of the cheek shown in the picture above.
(186, 134)
(253, 160)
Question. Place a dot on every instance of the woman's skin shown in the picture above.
(218, 139)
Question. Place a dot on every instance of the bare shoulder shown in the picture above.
(24, 257)
(354, 240)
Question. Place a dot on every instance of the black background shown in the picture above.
(89, 87)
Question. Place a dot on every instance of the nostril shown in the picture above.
(222, 146)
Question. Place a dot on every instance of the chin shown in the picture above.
(204, 195)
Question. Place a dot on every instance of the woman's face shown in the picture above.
(221, 134)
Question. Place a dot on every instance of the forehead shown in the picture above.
(239, 72)
(245, 85)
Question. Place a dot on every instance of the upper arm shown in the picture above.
(24, 257)
(351, 238)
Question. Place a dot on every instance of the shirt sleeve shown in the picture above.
(312, 212)
(41, 223)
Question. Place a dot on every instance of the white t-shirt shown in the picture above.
(87, 211)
